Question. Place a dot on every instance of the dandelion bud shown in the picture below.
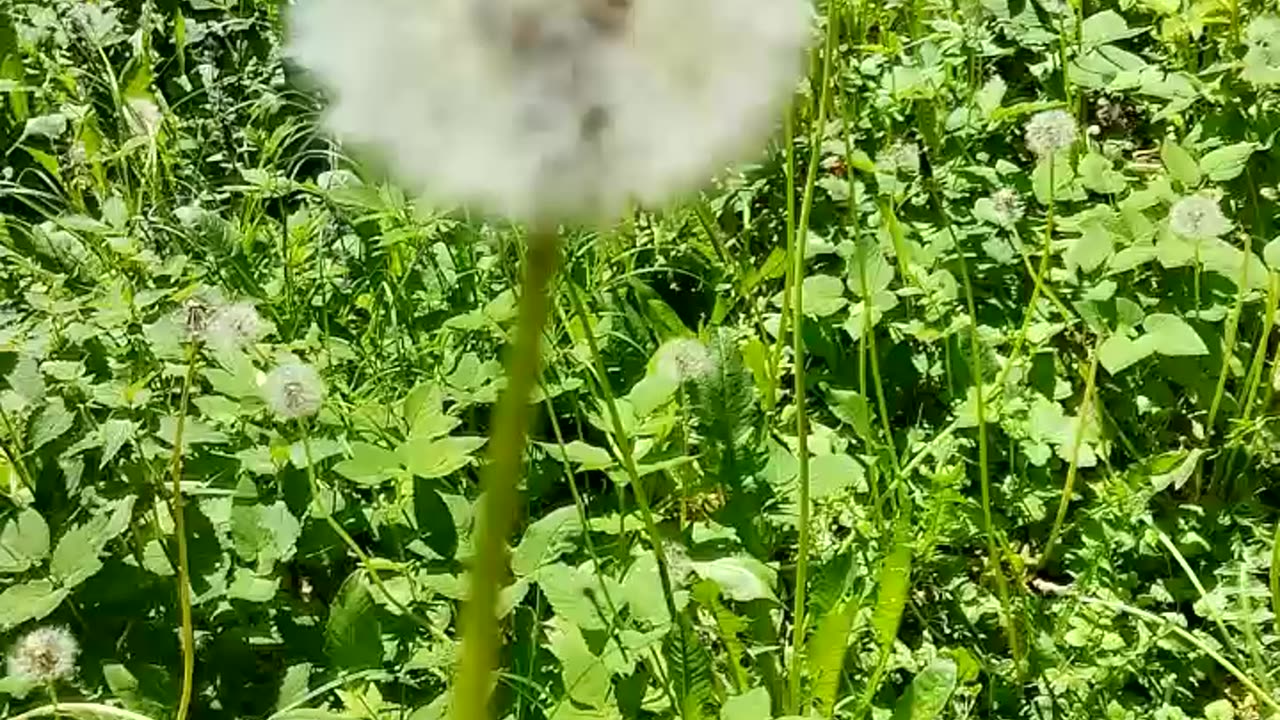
(44, 655)
(1050, 131)
(683, 360)
(553, 109)
(293, 391)
(1198, 217)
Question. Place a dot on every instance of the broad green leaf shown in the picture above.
(754, 704)
(75, 558)
(294, 685)
(1119, 352)
(353, 632)
(585, 456)
(545, 540)
(23, 542)
(115, 433)
(643, 590)
(1271, 254)
(194, 432)
(929, 692)
(832, 475)
(827, 648)
(1105, 27)
(1097, 174)
(52, 423)
(1180, 164)
(741, 578)
(248, 586)
(1173, 336)
(586, 679)
(1228, 162)
(868, 269)
(369, 464)
(575, 595)
(50, 126)
(892, 588)
(436, 458)
(823, 295)
(28, 601)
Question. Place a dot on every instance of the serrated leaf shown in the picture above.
(369, 464)
(1181, 166)
(24, 541)
(52, 423)
(28, 601)
(586, 678)
(1228, 162)
(584, 455)
(929, 692)
(353, 632)
(115, 433)
(440, 457)
(832, 475)
(1187, 461)
(248, 586)
(1172, 335)
(689, 669)
(75, 558)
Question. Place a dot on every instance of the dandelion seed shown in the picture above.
(293, 390)
(1049, 131)
(44, 655)
(235, 326)
(1198, 217)
(553, 109)
(684, 359)
(1007, 206)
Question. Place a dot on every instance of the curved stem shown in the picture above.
(1086, 409)
(496, 516)
(80, 709)
(180, 532)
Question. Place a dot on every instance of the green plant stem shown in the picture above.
(797, 343)
(180, 534)
(80, 710)
(496, 517)
(1085, 410)
(1229, 340)
(14, 454)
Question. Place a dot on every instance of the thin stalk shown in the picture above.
(797, 344)
(14, 454)
(81, 710)
(1086, 409)
(789, 281)
(180, 532)
(1229, 340)
(480, 635)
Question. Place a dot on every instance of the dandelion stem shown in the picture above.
(481, 637)
(1082, 416)
(180, 533)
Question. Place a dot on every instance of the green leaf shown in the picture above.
(754, 704)
(893, 584)
(1173, 336)
(929, 692)
(52, 422)
(1180, 164)
(1105, 27)
(827, 649)
(353, 632)
(585, 456)
(546, 540)
(643, 590)
(1096, 174)
(194, 432)
(28, 601)
(24, 542)
(436, 528)
(823, 295)
(586, 679)
(436, 458)
(1119, 352)
(741, 578)
(369, 464)
(1178, 474)
(832, 475)
(75, 558)
(1227, 162)
(689, 669)
(294, 685)
(869, 271)
(115, 433)
(1271, 254)
(248, 586)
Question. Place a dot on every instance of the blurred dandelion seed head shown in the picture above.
(683, 360)
(44, 655)
(235, 326)
(903, 157)
(1198, 217)
(1007, 206)
(553, 109)
(1049, 131)
(293, 390)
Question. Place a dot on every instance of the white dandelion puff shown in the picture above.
(44, 655)
(553, 109)
(293, 390)
(1006, 205)
(1198, 217)
(684, 359)
(235, 326)
(197, 314)
(1049, 131)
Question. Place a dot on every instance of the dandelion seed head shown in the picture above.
(553, 109)
(197, 314)
(684, 359)
(293, 390)
(1007, 205)
(44, 655)
(235, 325)
(1049, 131)
(1198, 217)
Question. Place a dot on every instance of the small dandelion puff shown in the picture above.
(293, 390)
(1049, 131)
(197, 314)
(1198, 217)
(553, 109)
(1007, 206)
(44, 655)
(684, 359)
(235, 326)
